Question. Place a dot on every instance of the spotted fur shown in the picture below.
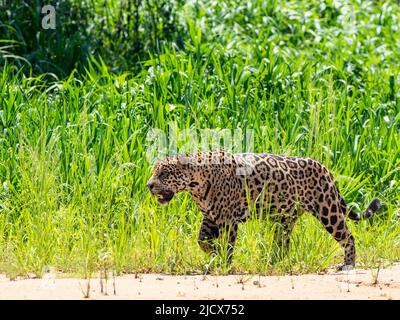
(225, 186)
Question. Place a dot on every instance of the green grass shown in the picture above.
(314, 79)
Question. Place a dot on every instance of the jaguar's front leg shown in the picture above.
(209, 231)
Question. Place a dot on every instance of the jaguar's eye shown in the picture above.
(193, 184)
(163, 175)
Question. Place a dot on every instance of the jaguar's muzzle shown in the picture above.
(164, 196)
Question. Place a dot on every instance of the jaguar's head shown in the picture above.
(169, 177)
(191, 173)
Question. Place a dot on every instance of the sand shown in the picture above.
(355, 284)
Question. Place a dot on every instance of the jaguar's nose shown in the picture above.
(150, 186)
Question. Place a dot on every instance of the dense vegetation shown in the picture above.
(311, 78)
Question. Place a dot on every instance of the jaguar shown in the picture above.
(226, 186)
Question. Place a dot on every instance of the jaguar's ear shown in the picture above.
(184, 162)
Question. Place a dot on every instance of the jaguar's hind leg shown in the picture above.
(333, 221)
(283, 229)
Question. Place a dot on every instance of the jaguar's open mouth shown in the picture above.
(164, 197)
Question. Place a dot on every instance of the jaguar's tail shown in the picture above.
(374, 207)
